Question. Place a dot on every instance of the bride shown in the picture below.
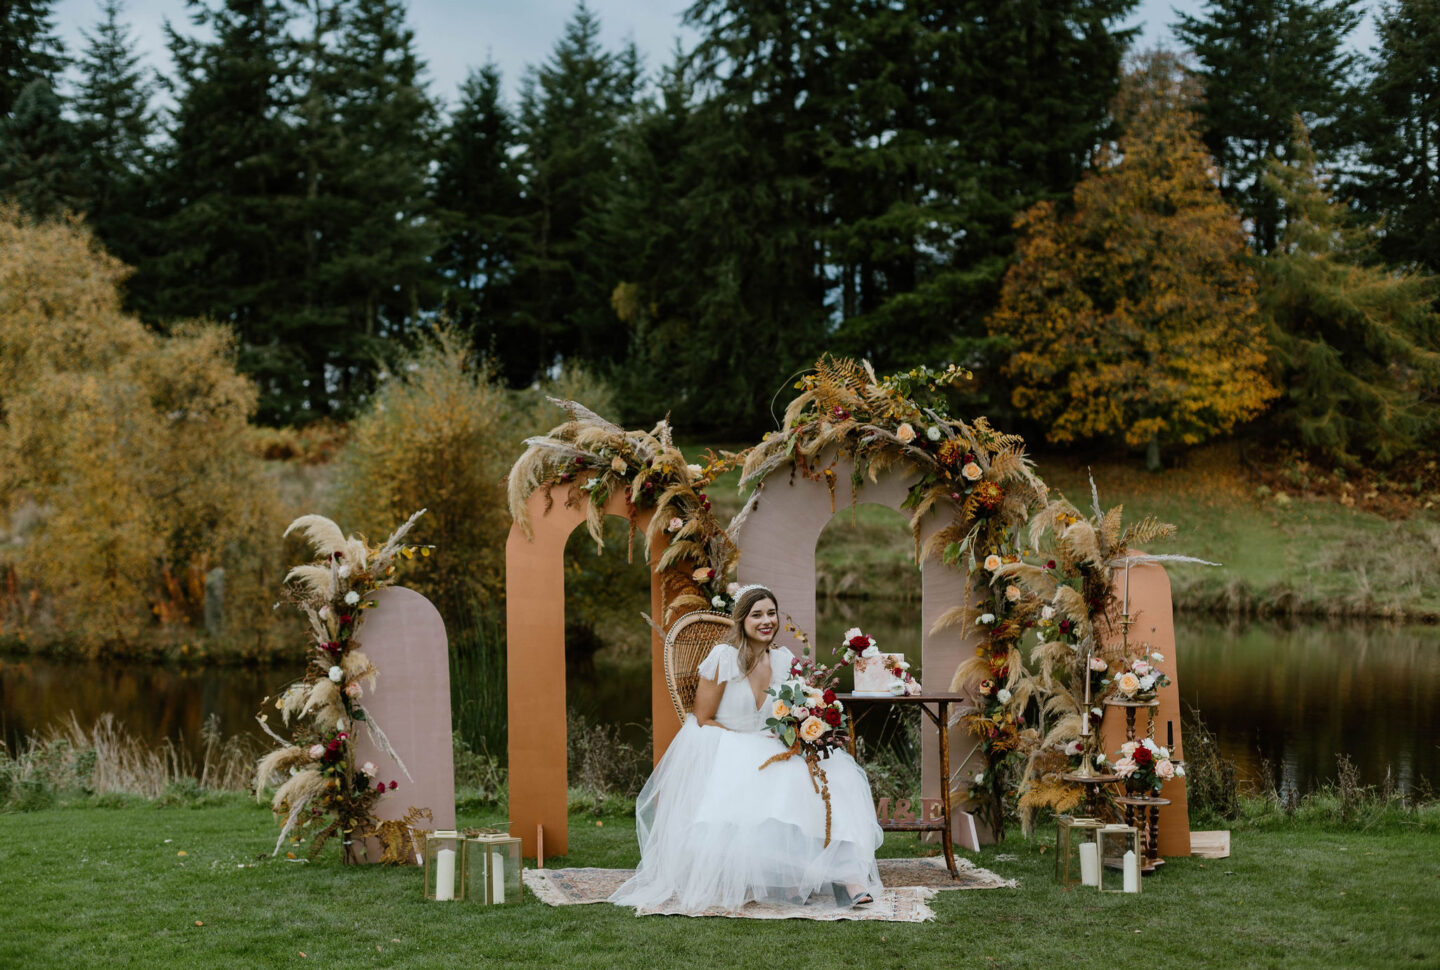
(717, 831)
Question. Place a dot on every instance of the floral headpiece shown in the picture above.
(747, 588)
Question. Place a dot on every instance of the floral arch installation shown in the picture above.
(1020, 589)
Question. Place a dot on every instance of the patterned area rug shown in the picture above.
(908, 884)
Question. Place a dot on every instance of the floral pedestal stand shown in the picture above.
(1130, 708)
(1143, 811)
(1093, 783)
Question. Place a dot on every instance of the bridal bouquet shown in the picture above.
(809, 720)
(1145, 766)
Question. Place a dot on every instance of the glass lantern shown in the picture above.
(1120, 857)
(444, 866)
(492, 867)
(1077, 852)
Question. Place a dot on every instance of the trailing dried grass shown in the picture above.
(105, 758)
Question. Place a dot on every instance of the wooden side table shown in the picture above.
(1143, 812)
(859, 705)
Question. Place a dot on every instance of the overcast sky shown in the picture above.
(455, 36)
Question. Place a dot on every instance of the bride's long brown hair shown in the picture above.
(750, 651)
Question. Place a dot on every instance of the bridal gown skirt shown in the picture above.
(718, 831)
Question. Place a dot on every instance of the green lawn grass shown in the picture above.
(93, 887)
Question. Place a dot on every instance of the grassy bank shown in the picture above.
(1282, 553)
(141, 886)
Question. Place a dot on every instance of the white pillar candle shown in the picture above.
(497, 876)
(1085, 723)
(1132, 872)
(445, 874)
(1089, 864)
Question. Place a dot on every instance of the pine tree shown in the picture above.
(1134, 319)
(570, 108)
(29, 49)
(476, 186)
(1263, 62)
(376, 275)
(228, 194)
(115, 123)
(1400, 128)
(1357, 345)
(40, 160)
(963, 115)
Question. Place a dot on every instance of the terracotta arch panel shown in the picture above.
(535, 657)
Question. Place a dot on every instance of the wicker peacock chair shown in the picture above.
(690, 641)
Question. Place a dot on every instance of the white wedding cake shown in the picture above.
(880, 674)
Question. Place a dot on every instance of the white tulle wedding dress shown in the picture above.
(717, 831)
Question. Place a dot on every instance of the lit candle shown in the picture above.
(1089, 864)
(1132, 872)
(497, 876)
(445, 874)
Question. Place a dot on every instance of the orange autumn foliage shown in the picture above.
(1134, 317)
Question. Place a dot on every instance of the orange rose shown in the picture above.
(1128, 683)
(782, 709)
(812, 728)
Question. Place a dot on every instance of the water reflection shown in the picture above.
(1299, 696)
(1293, 696)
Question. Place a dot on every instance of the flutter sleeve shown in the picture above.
(722, 664)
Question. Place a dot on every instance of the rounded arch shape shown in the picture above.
(535, 662)
(777, 534)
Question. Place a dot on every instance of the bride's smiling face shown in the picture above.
(762, 621)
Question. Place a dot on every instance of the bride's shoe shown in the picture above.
(844, 899)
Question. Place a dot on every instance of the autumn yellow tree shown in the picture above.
(126, 453)
(1132, 315)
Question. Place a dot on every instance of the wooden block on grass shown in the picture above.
(1210, 845)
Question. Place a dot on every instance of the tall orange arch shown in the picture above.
(535, 658)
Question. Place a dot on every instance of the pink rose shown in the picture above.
(352, 690)
(317, 751)
(1165, 769)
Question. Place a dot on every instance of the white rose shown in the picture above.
(343, 571)
(896, 688)
(368, 769)
(1125, 767)
(1179, 771)
(1047, 613)
(987, 618)
(1004, 696)
(732, 589)
(980, 778)
(1128, 748)
(870, 652)
(912, 687)
(340, 724)
(1165, 769)
(694, 470)
(852, 633)
(1164, 752)
(326, 612)
(351, 598)
(1100, 758)
(718, 602)
(1141, 668)
(1150, 743)
(1096, 711)
(837, 705)
(1158, 657)
(1097, 664)
(993, 562)
(1147, 682)
(317, 751)
(933, 432)
(336, 674)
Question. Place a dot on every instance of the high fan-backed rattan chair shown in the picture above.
(690, 641)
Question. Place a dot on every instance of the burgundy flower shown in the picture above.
(832, 717)
(1050, 564)
(1143, 756)
(829, 696)
(1065, 626)
(337, 554)
(859, 643)
(393, 786)
(380, 786)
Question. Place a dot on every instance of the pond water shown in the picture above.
(1290, 696)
